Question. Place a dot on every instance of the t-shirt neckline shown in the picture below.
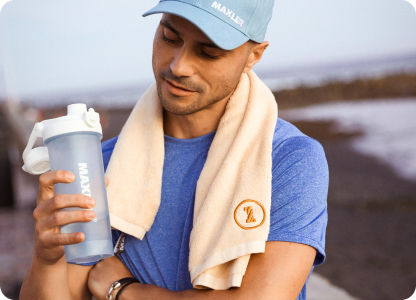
(198, 141)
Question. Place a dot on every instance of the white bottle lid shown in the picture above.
(37, 162)
(78, 119)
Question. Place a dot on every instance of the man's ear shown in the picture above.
(255, 55)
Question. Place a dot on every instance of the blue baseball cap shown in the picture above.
(227, 23)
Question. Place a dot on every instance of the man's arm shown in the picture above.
(49, 276)
(57, 281)
(278, 273)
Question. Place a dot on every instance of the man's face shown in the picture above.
(191, 72)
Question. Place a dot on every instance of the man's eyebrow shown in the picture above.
(210, 45)
(170, 27)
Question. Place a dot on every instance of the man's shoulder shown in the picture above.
(108, 145)
(289, 140)
(297, 157)
(107, 148)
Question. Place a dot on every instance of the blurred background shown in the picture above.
(343, 72)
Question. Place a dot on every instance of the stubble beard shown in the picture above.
(197, 105)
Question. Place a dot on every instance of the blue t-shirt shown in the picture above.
(298, 209)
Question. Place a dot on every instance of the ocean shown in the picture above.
(275, 78)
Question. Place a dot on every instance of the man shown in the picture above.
(200, 51)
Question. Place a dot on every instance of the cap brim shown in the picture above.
(219, 32)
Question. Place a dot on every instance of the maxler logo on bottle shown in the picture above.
(73, 143)
(83, 171)
(85, 186)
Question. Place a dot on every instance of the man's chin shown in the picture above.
(180, 106)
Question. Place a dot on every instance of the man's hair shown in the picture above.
(253, 43)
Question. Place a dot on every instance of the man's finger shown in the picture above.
(47, 181)
(106, 181)
(62, 239)
(62, 218)
(58, 202)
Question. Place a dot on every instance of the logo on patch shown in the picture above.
(121, 244)
(249, 214)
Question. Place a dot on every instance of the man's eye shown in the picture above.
(206, 55)
(168, 40)
(169, 37)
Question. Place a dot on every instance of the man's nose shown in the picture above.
(181, 65)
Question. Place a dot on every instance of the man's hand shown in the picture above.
(49, 240)
(49, 276)
(103, 275)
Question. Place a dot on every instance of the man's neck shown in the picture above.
(196, 124)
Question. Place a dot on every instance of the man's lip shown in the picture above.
(178, 91)
(178, 86)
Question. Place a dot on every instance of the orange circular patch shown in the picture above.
(251, 215)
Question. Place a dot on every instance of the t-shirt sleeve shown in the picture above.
(299, 194)
(107, 148)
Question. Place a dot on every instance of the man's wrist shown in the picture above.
(41, 261)
(41, 264)
(118, 286)
(130, 292)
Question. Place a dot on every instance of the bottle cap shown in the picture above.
(37, 162)
(78, 119)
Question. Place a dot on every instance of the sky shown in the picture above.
(57, 46)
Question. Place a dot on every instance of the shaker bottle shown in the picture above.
(73, 144)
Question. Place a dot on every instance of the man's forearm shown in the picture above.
(281, 271)
(45, 281)
(152, 292)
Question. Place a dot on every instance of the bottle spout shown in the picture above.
(77, 109)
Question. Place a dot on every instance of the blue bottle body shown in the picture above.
(80, 153)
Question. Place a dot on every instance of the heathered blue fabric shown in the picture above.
(298, 211)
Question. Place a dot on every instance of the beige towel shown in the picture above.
(233, 193)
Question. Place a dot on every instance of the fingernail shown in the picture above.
(70, 176)
(79, 237)
(90, 214)
(90, 202)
